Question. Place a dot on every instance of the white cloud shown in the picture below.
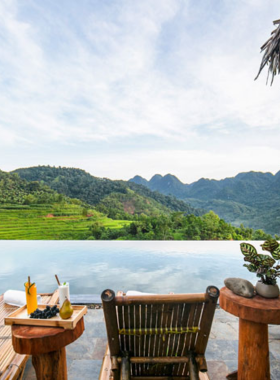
(178, 70)
(8, 138)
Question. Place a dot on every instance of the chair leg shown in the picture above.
(193, 369)
(125, 369)
(115, 368)
(114, 375)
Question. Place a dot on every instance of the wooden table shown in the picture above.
(47, 347)
(254, 316)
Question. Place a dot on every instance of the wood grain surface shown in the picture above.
(256, 309)
(51, 366)
(35, 340)
(253, 351)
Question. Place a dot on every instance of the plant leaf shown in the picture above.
(248, 250)
(270, 245)
(251, 267)
(266, 260)
(276, 253)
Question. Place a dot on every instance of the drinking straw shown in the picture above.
(57, 279)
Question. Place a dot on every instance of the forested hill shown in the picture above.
(79, 184)
(17, 191)
(251, 198)
(33, 211)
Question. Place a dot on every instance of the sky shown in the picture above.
(137, 87)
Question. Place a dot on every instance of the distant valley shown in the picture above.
(252, 198)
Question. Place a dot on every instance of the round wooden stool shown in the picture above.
(254, 316)
(47, 347)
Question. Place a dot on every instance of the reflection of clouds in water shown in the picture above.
(7, 268)
(146, 266)
(125, 279)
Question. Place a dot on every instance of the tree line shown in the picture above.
(178, 226)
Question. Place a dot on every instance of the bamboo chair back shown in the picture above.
(160, 333)
(11, 364)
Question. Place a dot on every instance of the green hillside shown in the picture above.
(74, 183)
(51, 222)
(14, 190)
(168, 201)
(31, 210)
(77, 183)
(123, 206)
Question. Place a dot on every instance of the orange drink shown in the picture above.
(31, 297)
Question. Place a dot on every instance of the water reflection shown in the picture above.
(92, 266)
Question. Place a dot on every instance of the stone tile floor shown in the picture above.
(84, 357)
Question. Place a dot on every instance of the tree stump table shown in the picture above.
(47, 347)
(254, 316)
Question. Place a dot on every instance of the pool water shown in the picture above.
(92, 266)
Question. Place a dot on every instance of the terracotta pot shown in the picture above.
(267, 291)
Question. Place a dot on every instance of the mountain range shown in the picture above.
(43, 203)
(108, 196)
(251, 198)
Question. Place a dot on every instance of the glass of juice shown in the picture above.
(31, 296)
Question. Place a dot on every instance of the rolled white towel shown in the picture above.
(17, 298)
(136, 293)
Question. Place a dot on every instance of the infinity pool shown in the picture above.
(92, 266)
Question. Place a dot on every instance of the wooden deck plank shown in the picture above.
(106, 366)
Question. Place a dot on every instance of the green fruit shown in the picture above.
(66, 309)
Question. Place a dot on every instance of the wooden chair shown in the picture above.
(12, 365)
(160, 337)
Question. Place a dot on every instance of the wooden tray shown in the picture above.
(20, 317)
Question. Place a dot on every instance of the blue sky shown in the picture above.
(128, 87)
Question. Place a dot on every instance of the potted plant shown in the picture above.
(264, 266)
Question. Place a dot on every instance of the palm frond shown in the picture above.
(271, 55)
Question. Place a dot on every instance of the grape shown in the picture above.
(47, 313)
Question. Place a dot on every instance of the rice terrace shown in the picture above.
(41, 222)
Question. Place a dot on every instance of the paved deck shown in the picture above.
(84, 357)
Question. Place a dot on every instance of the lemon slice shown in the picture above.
(26, 285)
